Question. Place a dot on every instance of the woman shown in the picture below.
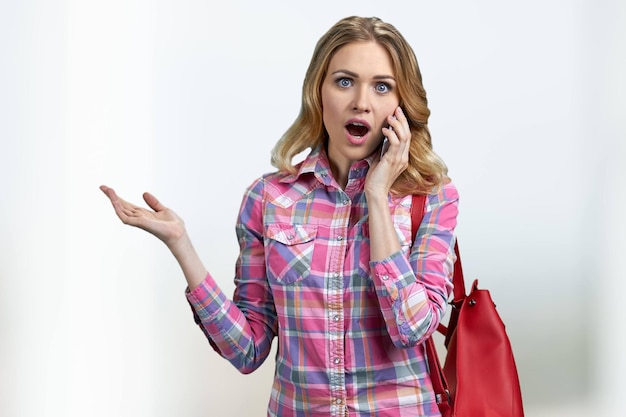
(327, 262)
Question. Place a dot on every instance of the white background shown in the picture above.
(186, 99)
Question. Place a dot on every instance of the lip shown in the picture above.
(357, 140)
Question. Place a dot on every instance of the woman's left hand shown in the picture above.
(389, 166)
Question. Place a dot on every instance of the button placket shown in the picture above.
(335, 313)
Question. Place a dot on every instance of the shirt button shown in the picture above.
(385, 277)
(337, 360)
(290, 237)
(338, 401)
(339, 238)
(345, 202)
(336, 318)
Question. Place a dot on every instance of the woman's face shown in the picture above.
(358, 94)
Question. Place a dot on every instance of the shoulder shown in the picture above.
(442, 205)
(258, 187)
(447, 191)
(281, 188)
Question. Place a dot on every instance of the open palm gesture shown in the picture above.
(160, 221)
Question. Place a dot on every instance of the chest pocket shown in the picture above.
(289, 251)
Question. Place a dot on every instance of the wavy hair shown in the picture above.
(426, 171)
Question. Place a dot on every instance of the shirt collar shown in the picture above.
(317, 163)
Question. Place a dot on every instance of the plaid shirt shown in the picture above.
(350, 331)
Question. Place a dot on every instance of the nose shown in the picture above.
(361, 100)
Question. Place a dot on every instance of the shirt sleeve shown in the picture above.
(241, 330)
(413, 291)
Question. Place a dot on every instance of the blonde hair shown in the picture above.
(426, 170)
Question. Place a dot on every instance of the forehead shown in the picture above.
(362, 57)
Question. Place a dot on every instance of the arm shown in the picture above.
(241, 331)
(413, 291)
(380, 178)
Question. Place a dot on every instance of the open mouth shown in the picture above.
(356, 129)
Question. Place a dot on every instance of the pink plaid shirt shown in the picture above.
(350, 331)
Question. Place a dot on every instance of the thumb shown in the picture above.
(153, 202)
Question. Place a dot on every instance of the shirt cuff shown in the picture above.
(206, 299)
(392, 274)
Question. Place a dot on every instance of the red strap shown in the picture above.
(417, 212)
(457, 279)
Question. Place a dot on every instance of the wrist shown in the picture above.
(375, 196)
(189, 261)
(179, 245)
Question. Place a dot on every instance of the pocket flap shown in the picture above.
(290, 234)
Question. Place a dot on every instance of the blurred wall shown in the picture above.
(186, 99)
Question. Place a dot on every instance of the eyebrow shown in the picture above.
(355, 75)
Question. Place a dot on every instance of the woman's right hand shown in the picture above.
(160, 221)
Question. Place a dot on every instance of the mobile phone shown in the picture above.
(384, 146)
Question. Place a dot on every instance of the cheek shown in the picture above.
(392, 105)
(327, 108)
(329, 114)
(388, 106)
(329, 103)
(327, 117)
(385, 111)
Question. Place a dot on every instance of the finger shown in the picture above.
(400, 116)
(400, 124)
(393, 136)
(107, 191)
(110, 193)
(124, 210)
(153, 203)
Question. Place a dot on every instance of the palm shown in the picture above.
(159, 221)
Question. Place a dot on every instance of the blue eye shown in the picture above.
(383, 87)
(344, 82)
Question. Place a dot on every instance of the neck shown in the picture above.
(340, 173)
